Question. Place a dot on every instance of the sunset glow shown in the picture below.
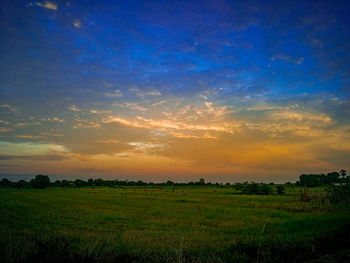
(157, 90)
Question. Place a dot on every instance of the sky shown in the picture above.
(174, 90)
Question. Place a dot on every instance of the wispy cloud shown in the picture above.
(3, 129)
(77, 23)
(295, 60)
(29, 136)
(47, 4)
(8, 107)
(143, 93)
(141, 122)
(108, 141)
(115, 94)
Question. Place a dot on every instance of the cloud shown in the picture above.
(115, 94)
(131, 105)
(29, 136)
(47, 4)
(51, 156)
(144, 93)
(149, 124)
(291, 59)
(2, 129)
(108, 141)
(77, 23)
(74, 108)
(93, 111)
(100, 111)
(52, 134)
(25, 124)
(8, 107)
(5, 122)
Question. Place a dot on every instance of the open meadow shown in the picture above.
(169, 224)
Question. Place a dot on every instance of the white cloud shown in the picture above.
(47, 4)
(115, 94)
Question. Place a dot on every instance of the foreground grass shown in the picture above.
(179, 224)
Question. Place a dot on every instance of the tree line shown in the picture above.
(314, 180)
(305, 180)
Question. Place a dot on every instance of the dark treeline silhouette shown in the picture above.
(305, 180)
(314, 180)
(43, 181)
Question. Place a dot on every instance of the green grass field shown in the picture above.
(169, 224)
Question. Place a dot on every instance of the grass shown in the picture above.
(170, 224)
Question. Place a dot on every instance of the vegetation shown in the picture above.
(314, 180)
(85, 221)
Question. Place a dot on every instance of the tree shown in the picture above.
(22, 184)
(79, 183)
(201, 181)
(333, 177)
(309, 180)
(98, 182)
(6, 183)
(264, 189)
(40, 181)
(280, 189)
(64, 183)
(91, 182)
(343, 173)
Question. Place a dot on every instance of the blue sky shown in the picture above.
(102, 87)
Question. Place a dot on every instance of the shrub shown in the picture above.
(280, 189)
(257, 189)
(40, 181)
(339, 194)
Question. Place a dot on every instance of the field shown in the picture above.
(168, 224)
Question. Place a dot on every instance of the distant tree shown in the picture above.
(40, 181)
(79, 183)
(309, 180)
(140, 183)
(256, 189)
(264, 189)
(333, 177)
(98, 182)
(22, 184)
(201, 181)
(91, 182)
(170, 182)
(57, 183)
(342, 173)
(252, 188)
(64, 183)
(280, 189)
(6, 183)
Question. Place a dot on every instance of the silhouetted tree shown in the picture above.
(91, 182)
(280, 189)
(79, 183)
(342, 173)
(170, 182)
(57, 183)
(6, 183)
(22, 184)
(201, 181)
(40, 181)
(64, 183)
(264, 189)
(309, 180)
(98, 182)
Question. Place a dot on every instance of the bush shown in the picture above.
(40, 181)
(257, 189)
(280, 189)
(339, 194)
